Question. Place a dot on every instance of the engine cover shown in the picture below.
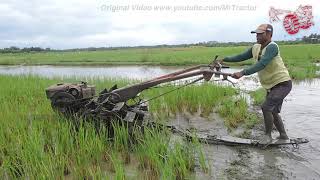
(78, 91)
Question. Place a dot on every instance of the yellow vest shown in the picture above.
(275, 72)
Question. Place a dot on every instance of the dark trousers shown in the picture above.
(275, 97)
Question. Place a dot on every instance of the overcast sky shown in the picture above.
(64, 24)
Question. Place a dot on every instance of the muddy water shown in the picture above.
(302, 118)
(301, 114)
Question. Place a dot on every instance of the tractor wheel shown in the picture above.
(62, 102)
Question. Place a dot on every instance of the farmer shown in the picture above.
(273, 76)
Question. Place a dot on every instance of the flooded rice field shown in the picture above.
(301, 115)
(88, 72)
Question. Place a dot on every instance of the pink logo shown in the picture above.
(293, 20)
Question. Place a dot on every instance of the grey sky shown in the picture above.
(83, 23)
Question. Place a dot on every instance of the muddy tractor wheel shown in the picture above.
(62, 102)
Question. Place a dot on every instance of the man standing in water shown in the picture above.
(273, 76)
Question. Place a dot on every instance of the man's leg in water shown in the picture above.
(272, 107)
(268, 124)
(279, 125)
(267, 108)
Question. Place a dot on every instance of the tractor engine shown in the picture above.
(79, 101)
(69, 97)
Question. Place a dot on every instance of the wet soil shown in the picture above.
(301, 117)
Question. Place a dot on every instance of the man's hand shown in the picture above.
(219, 61)
(237, 75)
(217, 64)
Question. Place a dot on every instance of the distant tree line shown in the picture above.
(312, 38)
(14, 49)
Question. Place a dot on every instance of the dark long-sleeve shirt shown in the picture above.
(271, 52)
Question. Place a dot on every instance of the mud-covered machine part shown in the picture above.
(78, 100)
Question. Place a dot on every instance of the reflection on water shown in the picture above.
(129, 72)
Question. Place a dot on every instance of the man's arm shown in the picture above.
(271, 52)
(240, 57)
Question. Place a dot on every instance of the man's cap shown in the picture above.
(263, 28)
